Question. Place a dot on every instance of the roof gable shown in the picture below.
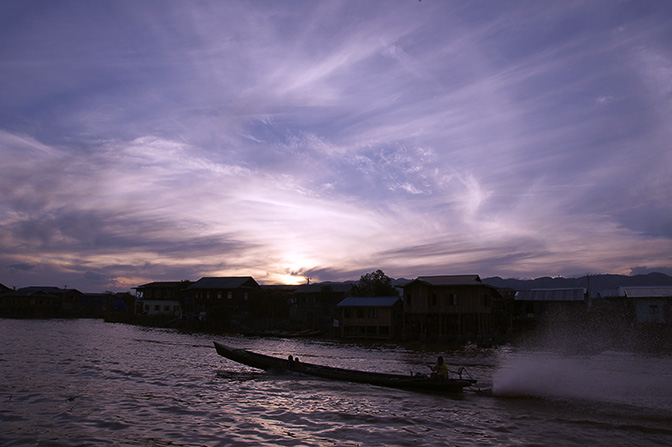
(448, 280)
(48, 289)
(26, 292)
(43, 288)
(224, 282)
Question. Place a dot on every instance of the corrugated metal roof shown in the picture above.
(646, 292)
(450, 280)
(224, 282)
(369, 301)
(577, 294)
(608, 293)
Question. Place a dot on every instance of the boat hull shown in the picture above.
(417, 383)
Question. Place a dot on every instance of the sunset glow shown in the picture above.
(160, 141)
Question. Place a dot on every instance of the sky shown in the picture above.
(167, 140)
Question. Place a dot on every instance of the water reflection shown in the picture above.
(84, 382)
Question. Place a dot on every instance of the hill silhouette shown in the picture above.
(593, 282)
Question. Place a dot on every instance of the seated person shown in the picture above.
(440, 370)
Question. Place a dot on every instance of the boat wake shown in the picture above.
(612, 377)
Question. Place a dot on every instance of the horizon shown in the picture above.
(288, 140)
(402, 278)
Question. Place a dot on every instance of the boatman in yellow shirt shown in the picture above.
(440, 370)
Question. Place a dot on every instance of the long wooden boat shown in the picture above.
(410, 382)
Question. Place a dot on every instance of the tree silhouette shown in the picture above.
(376, 284)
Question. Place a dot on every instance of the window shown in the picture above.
(373, 313)
(452, 299)
(360, 313)
(229, 294)
(157, 307)
(166, 308)
(146, 306)
(653, 309)
(433, 302)
(346, 313)
(219, 294)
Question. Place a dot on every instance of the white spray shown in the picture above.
(610, 377)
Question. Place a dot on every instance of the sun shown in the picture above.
(292, 269)
(290, 280)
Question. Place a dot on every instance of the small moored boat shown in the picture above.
(400, 381)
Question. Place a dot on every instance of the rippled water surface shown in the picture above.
(86, 382)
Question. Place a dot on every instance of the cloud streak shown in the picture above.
(285, 140)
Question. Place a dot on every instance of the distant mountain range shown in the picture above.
(593, 282)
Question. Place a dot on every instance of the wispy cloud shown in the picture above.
(168, 141)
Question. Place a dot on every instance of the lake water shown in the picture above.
(90, 383)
